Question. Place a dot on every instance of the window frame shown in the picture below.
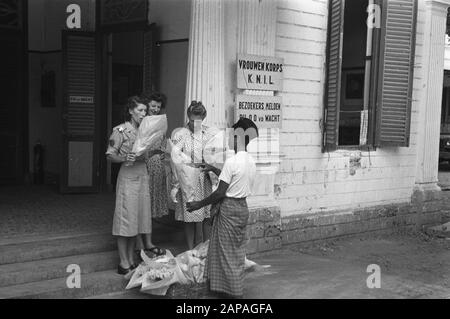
(377, 78)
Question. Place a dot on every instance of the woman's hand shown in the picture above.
(205, 167)
(191, 206)
(131, 157)
(209, 168)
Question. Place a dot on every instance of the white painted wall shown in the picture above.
(310, 181)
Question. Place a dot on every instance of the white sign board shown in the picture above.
(256, 72)
(265, 111)
(76, 99)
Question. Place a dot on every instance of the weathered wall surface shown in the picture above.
(310, 181)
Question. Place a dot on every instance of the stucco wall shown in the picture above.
(46, 19)
(310, 181)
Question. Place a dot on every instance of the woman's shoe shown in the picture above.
(157, 251)
(123, 271)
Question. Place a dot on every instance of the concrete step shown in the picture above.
(103, 284)
(37, 267)
(19, 252)
(96, 283)
(46, 269)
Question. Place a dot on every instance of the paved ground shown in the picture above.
(413, 265)
(40, 210)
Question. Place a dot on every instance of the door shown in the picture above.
(12, 111)
(81, 111)
(132, 72)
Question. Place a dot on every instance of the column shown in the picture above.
(205, 76)
(431, 101)
(256, 33)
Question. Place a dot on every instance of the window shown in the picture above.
(369, 73)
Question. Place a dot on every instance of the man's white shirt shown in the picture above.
(239, 172)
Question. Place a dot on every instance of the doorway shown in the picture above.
(12, 110)
(14, 87)
(444, 142)
(125, 77)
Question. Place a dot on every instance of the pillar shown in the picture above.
(431, 101)
(256, 33)
(205, 75)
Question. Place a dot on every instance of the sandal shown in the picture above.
(156, 251)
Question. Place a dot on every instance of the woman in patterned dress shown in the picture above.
(157, 177)
(191, 140)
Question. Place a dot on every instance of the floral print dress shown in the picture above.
(158, 182)
(193, 144)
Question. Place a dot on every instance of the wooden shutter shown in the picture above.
(396, 72)
(80, 114)
(148, 83)
(334, 70)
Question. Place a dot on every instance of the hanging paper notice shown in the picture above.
(363, 129)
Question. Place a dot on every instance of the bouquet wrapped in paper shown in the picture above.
(216, 152)
(192, 262)
(151, 131)
(155, 275)
(216, 149)
(185, 172)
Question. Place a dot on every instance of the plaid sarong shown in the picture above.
(226, 252)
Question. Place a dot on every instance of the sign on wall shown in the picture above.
(78, 99)
(256, 72)
(265, 111)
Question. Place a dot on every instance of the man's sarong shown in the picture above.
(226, 253)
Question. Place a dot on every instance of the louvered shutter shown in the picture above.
(396, 72)
(81, 104)
(148, 85)
(334, 70)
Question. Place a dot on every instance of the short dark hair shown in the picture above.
(248, 127)
(155, 96)
(131, 104)
(196, 108)
(245, 124)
